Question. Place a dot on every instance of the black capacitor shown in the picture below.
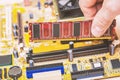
(15, 33)
(104, 58)
(112, 49)
(0, 74)
(31, 63)
(30, 52)
(71, 45)
(5, 73)
(26, 29)
(15, 53)
(15, 26)
(91, 60)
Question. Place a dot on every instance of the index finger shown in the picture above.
(88, 7)
(118, 26)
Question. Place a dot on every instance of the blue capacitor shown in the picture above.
(39, 5)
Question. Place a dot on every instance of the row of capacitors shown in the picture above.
(3, 74)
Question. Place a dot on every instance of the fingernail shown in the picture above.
(97, 31)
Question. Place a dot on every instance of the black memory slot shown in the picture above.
(91, 52)
(56, 29)
(77, 52)
(50, 58)
(75, 41)
(44, 66)
(20, 30)
(76, 28)
(87, 73)
(36, 31)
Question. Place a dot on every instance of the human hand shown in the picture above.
(117, 28)
(102, 12)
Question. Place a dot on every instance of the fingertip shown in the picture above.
(101, 22)
(97, 31)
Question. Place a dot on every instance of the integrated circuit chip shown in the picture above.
(76, 29)
(115, 63)
(97, 65)
(5, 60)
(56, 30)
(74, 67)
(36, 31)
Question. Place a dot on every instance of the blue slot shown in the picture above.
(30, 73)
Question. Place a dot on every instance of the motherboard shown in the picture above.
(51, 40)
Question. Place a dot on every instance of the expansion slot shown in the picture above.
(44, 68)
(87, 74)
(77, 52)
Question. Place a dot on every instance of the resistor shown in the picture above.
(70, 55)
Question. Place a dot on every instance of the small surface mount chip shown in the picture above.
(115, 63)
(74, 67)
(97, 65)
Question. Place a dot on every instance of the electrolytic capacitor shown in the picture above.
(31, 63)
(70, 55)
(0, 74)
(30, 52)
(112, 49)
(15, 53)
(26, 29)
(5, 73)
(15, 26)
(71, 45)
(15, 33)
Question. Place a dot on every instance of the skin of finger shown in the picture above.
(98, 6)
(88, 7)
(104, 17)
(101, 22)
(117, 28)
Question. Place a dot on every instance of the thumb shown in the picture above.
(118, 26)
(102, 21)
